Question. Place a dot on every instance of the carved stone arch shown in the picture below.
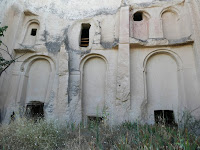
(170, 23)
(170, 9)
(76, 28)
(31, 21)
(26, 64)
(139, 24)
(91, 21)
(43, 62)
(36, 24)
(180, 80)
(93, 83)
(175, 56)
(85, 58)
(145, 13)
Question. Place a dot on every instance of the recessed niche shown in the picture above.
(93, 87)
(139, 25)
(164, 117)
(33, 32)
(35, 110)
(85, 35)
(95, 119)
(170, 25)
(138, 16)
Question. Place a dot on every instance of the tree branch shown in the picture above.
(5, 68)
(7, 49)
(6, 52)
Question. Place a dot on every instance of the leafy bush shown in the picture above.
(3, 62)
(6, 56)
(2, 30)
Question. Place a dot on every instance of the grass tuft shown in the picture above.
(42, 135)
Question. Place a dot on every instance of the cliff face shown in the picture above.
(117, 59)
(72, 10)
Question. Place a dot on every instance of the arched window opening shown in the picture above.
(139, 25)
(35, 110)
(31, 34)
(85, 35)
(138, 16)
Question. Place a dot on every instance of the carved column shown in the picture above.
(123, 69)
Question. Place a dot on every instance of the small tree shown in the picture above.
(5, 63)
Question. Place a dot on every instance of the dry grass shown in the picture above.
(27, 135)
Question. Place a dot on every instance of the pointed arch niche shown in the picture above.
(38, 74)
(170, 24)
(164, 88)
(93, 74)
(31, 33)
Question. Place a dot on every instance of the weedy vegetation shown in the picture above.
(23, 134)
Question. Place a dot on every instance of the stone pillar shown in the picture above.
(123, 68)
(124, 26)
(63, 72)
(74, 113)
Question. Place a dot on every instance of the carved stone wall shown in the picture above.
(130, 68)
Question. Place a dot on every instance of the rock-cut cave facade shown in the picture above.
(130, 60)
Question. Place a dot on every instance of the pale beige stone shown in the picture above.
(129, 70)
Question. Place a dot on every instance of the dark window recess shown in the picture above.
(35, 110)
(95, 119)
(138, 16)
(85, 35)
(164, 117)
(33, 32)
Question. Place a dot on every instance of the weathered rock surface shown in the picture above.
(141, 56)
